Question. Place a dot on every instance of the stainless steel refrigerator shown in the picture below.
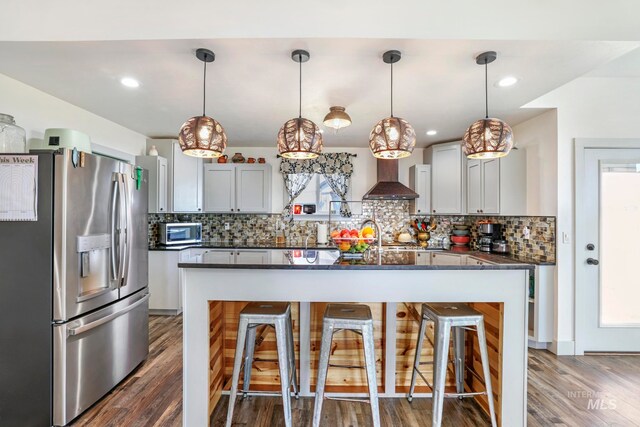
(73, 289)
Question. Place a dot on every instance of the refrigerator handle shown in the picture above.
(127, 231)
(122, 227)
(92, 325)
(114, 227)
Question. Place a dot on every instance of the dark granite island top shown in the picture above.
(388, 259)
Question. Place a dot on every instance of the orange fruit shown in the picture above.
(368, 230)
(344, 246)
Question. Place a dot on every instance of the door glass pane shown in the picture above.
(619, 244)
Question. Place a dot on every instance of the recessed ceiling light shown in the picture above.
(507, 81)
(129, 82)
(432, 132)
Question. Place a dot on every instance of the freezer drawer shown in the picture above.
(95, 352)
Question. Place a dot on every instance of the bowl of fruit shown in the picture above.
(353, 243)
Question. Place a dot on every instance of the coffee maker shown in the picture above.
(487, 234)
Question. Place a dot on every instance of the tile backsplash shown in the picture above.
(392, 216)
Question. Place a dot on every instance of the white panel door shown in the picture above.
(445, 259)
(162, 184)
(607, 251)
(420, 182)
(187, 182)
(252, 257)
(219, 187)
(253, 188)
(490, 186)
(164, 287)
(446, 184)
(218, 257)
(474, 186)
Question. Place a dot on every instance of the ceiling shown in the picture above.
(253, 84)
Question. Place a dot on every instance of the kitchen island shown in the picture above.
(393, 283)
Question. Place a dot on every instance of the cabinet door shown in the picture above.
(491, 186)
(219, 187)
(162, 184)
(423, 258)
(163, 281)
(420, 182)
(446, 179)
(187, 182)
(253, 188)
(218, 257)
(474, 186)
(252, 257)
(445, 259)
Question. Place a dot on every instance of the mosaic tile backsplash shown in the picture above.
(392, 216)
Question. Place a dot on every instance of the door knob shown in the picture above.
(592, 261)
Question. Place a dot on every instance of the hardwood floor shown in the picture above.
(563, 391)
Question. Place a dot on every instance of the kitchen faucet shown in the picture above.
(378, 230)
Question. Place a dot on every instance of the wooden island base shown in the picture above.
(395, 327)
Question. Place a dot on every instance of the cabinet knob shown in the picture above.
(161, 209)
(199, 209)
(419, 210)
(434, 211)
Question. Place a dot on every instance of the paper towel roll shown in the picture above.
(321, 237)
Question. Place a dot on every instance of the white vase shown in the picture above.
(153, 151)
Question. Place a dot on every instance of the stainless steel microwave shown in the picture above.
(180, 233)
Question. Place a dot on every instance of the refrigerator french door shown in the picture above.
(100, 234)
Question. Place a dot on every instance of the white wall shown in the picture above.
(539, 138)
(588, 107)
(36, 111)
(364, 167)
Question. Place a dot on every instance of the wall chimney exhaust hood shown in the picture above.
(388, 187)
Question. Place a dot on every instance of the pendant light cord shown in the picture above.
(300, 88)
(204, 89)
(392, 89)
(486, 91)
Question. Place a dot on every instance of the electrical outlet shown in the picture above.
(526, 233)
(227, 226)
(565, 237)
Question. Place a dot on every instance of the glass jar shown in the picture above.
(12, 138)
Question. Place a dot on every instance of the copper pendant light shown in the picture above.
(300, 138)
(203, 136)
(393, 137)
(337, 118)
(487, 138)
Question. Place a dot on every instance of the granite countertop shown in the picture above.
(329, 259)
(491, 257)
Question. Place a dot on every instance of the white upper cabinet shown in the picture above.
(483, 186)
(244, 188)
(446, 177)
(219, 187)
(187, 182)
(253, 188)
(184, 177)
(497, 186)
(420, 182)
(157, 167)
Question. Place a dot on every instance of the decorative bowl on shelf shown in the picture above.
(461, 226)
(460, 232)
(460, 240)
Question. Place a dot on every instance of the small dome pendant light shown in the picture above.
(337, 118)
(393, 137)
(487, 138)
(202, 136)
(300, 138)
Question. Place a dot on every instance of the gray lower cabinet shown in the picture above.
(237, 188)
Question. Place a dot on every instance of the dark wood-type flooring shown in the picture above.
(563, 391)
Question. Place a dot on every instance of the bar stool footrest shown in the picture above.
(348, 399)
(475, 393)
(335, 365)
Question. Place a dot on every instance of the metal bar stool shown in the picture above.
(277, 315)
(356, 318)
(460, 317)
